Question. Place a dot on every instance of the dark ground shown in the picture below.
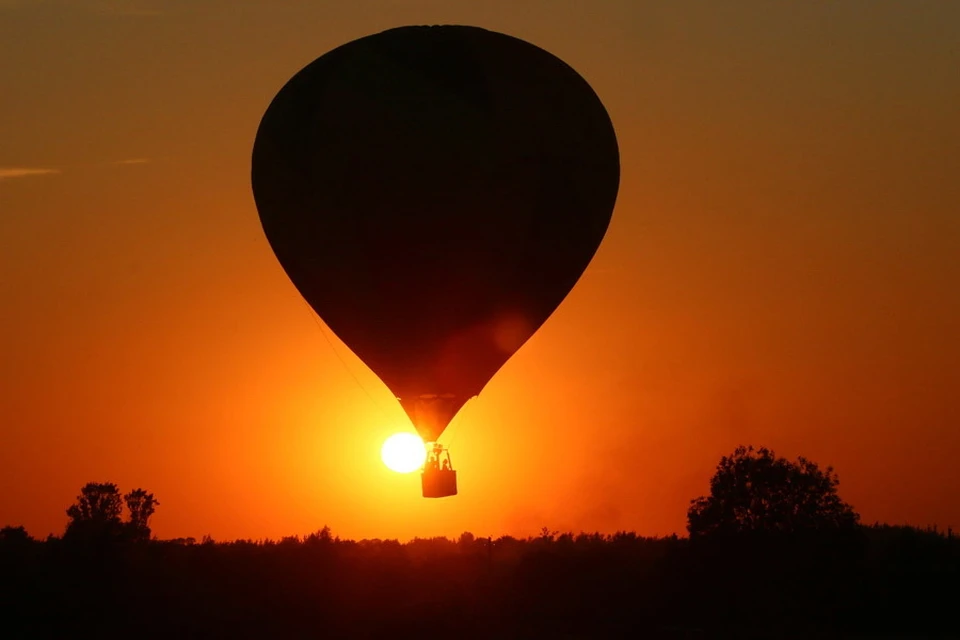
(877, 582)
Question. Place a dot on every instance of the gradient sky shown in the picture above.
(782, 269)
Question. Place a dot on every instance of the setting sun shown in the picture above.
(403, 452)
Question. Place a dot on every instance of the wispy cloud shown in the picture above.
(104, 7)
(8, 173)
(133, 161)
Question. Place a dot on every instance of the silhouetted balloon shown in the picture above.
(434, 193)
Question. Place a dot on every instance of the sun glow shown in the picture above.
(403, 452)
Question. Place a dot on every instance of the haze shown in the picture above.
(781, 270)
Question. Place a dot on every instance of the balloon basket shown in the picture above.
(438, 483)
(438, 479)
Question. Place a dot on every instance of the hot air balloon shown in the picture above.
(434, 192)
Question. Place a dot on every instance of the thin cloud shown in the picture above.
(9, 173)
(104, 7)
(133, 161)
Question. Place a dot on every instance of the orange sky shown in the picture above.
(781, 270)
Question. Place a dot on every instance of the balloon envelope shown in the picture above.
(434, 193)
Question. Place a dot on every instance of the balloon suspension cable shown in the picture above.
(324, 331)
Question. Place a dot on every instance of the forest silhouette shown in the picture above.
(772, 552)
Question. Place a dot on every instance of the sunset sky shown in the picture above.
(782, 269)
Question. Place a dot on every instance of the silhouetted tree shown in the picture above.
(141, 506)
(96, 512)
(755, 491)
(323, 536)
(14, 535)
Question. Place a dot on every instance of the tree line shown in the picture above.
(772, 551)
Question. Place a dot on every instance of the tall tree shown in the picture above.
(97, 510)
(141, 506)
(754, 490)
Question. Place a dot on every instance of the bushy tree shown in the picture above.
(96, 512)
(14, 535)
(755, 491)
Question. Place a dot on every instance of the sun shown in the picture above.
(403, 452)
